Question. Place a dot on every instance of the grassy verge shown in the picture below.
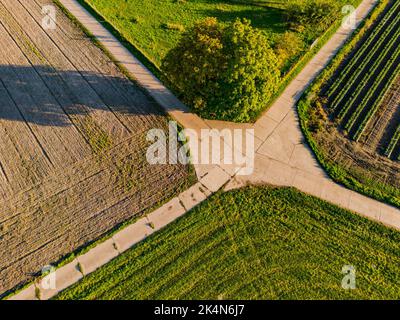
(353, 180)
(154, 27)
(254, 243)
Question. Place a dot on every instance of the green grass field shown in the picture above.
(153, 26)
(150, 29)
(144, 23)
(254, 243)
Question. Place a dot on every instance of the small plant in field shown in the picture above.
(115, 246)
(136, 20)
(173, 26)
(99, 140)
(320, 109)
(126, 174)
(38, 294)
(79, 267)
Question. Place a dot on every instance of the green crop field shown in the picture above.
(254, 243)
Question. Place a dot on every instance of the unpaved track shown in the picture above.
(72, 143)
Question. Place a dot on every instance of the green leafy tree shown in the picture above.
(224, 72)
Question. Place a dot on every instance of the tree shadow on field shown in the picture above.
(48, 97)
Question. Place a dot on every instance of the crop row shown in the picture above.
(384, 28)
(363, 72)
(369, 79)
(393, 143)
(387, 79)
(372, 80)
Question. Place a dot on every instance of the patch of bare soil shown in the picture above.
(357, 160)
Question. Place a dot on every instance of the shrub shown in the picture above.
(316, 13)
(287, 47)
(223, 72)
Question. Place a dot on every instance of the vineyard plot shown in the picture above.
(363, 97)
(350, 114)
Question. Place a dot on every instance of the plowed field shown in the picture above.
(72, 143)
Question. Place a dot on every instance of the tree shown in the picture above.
(224, 72)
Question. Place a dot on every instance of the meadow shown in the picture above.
(254, 243)
(155, 27)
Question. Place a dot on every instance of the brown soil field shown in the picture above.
(72, 143)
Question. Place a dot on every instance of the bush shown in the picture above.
(318, 14)
(287, 47)
(223, 72)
